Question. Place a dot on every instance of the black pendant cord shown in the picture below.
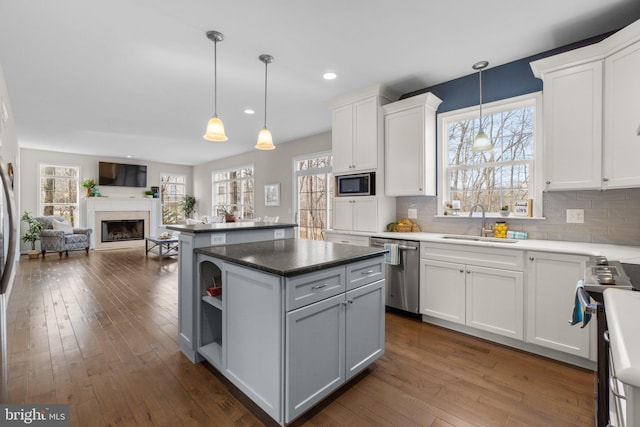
(480, 100)
(215, 78)
(266, 64)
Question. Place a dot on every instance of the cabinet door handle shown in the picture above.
(638, 131)
(344, 241)
(605, 179)
(531, 258)
(344, 303)
(350, 301)
(324, 285)
(548, 182)
(461, 270)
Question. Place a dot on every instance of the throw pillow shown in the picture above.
(63, 225)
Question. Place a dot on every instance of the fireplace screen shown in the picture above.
(123, 229)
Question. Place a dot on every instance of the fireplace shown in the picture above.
(121, 230)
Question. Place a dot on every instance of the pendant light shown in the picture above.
(265, 141)
(215, 127)
(481, 142)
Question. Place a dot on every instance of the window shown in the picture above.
(314, 185)
(233, 192)
(172, 192)
(492, 178)
(59, 186)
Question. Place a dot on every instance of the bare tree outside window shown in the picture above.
(233, 191)
(172, 193)
(59, 187)
(314, 189)
(493, 178)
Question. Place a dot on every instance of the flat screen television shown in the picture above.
(122, 175)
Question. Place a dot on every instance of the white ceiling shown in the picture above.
(135, 77)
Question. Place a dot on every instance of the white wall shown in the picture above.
(270, 167)
(29, 175)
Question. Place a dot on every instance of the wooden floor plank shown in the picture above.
(99, 332)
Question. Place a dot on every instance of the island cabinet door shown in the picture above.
(315, 336)
(365, 326)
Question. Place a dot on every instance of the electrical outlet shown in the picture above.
(412, 213)
(218, 239)
(575, 216)
(278, 234)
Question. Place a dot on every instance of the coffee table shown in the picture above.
(166, 247)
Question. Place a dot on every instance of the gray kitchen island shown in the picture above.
(206, 235)
(290, 321)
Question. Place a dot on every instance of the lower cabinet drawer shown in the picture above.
(313, 287)
(364, 272)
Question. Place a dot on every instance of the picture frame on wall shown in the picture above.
(272, 194)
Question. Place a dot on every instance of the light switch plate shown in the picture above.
(278, 234)
(575, 216)
(412, 213)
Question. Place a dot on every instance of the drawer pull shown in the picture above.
(367, 272)
(613, 386)
(324, 285)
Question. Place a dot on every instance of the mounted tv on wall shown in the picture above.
(122, 175)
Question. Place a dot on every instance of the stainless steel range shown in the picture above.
(600, 275)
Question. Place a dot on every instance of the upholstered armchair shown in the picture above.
(57, 235)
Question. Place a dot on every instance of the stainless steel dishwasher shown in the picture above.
(402, 280)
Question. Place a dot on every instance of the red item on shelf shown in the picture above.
(214, 291)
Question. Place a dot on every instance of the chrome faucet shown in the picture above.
(483, 231)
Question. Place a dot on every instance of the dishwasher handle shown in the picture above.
(401, 247)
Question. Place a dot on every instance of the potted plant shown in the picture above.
(148, 193)
(228, 215)
(89, 184)
(188, 206)
(504, 211)
(32, 234)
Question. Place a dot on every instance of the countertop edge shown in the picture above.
(622, 307)
(225, 227)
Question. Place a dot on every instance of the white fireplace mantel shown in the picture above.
(119, 205)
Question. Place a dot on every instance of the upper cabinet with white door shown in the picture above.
(410, 146)
(592, 114)
(357, 129)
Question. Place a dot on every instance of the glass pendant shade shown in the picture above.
(481, 142)
(215, 131)
(265, 141)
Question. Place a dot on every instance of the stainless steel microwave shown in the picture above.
(360, 184)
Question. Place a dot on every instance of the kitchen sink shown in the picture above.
(477, 238)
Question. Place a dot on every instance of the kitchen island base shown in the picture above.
(289, 341)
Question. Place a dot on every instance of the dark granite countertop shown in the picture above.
(291, 257)
(227, 226)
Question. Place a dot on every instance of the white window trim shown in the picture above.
(81, 214)
(296, 174)
(234, 168)
(160, 189)
(534, 99)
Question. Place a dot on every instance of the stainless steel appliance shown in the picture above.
(403, 279)
(600, 275)
(359, 184)
(8, 231)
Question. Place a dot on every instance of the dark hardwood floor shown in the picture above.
(100, 332)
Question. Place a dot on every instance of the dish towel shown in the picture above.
(579, 313)
(392, 257)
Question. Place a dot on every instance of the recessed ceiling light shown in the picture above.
(329, 76)
(129, 156)
(249, 111)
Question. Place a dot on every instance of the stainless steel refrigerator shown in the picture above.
(8, 231)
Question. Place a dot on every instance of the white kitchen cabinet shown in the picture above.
(551, 287)
(622, 118)
(347, 239)
(356, 128)
(495, 301)
(479, 287)
(442, 290)
(410, 146)
(358, 213)
(330, 341)
(572, 125)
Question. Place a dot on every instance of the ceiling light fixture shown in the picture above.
(329, 76)
(249, 111)
(215, 127)
(481, 142)
(265, 141)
